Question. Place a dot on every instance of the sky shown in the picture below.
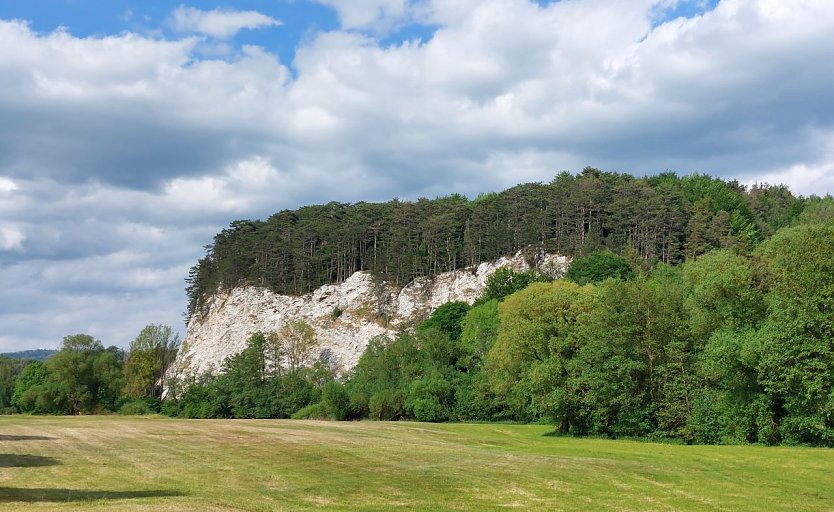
(132, 131)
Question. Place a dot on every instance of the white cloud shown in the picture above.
(7, 186)
(220, 23)
(378, 16)
(134, 145)
(11, 238)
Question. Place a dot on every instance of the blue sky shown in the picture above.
(301, 19)
(131, 132)
(91, 18)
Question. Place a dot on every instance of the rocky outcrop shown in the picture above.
(345, 316)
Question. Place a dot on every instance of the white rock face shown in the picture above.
(235, 315)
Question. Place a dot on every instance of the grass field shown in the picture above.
(118, 463)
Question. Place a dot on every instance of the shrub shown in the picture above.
(315, 411)
(335, 401)
(135, 408)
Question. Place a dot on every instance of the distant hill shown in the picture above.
(37, 355)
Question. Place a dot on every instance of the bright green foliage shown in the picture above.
(29, 389)
(633, 361)
(534, 340)
(598, 266)
(379, 382)
(796, 367)
(731, 407)
(721, 293)
(421, 376)
(478, 333)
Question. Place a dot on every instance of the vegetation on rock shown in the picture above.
(664, 218)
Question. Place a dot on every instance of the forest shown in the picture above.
(694, 311)
(732, 346)
(663, 218)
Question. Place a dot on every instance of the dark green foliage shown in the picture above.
(335, 401)
(10, 369)
(447, 319)
(505, 282)
(30, 355)
(136, 408)
(248, 387)
(83, 377)
(665, 218)
(598, 266)
(409, 377)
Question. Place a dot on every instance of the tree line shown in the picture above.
(664, 218)
(729, 347)
(731, 341)
(84, 377)
(732, 346)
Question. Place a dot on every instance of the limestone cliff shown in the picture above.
(345, 316)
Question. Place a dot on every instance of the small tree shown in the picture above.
(150, 357)
(506, 281)
(299, 343)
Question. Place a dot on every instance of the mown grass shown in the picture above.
(119, 463)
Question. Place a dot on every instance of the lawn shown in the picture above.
(136, 463)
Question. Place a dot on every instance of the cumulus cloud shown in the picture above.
(120, 156)
(375, 15)
(220, 23)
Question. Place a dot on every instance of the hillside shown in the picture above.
(34, 355)
(364, 307)
(664, 218)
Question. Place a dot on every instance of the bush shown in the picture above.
(135, 408)
(335, 401)
(170, 408)
(316, 411)
(386, 405)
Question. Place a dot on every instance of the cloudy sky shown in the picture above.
(131, 131)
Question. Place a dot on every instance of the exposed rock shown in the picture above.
(345, 316)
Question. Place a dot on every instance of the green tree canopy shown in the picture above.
(598, 266)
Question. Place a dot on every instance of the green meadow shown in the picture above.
(155, 463)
